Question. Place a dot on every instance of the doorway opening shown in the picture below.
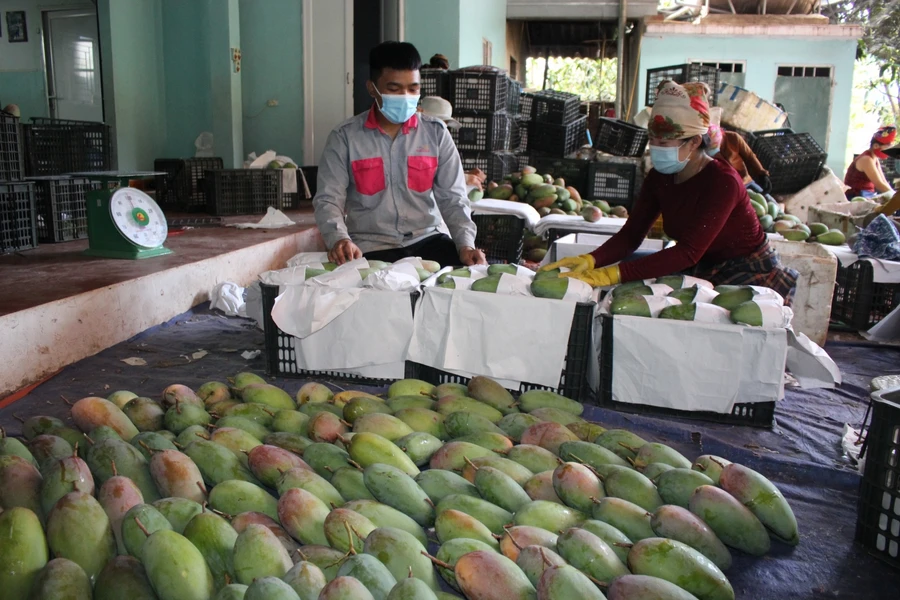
(72, 64)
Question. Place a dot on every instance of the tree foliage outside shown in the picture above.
(590, 78)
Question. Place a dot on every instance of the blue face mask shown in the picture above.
(665, 159)
(397, 109)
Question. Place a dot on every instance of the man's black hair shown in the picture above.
(400, 56)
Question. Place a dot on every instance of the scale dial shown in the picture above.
(138, 218)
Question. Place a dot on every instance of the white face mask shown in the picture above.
(665, 159)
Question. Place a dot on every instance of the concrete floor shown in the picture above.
(52, 272)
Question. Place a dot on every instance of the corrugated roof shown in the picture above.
(577, 9)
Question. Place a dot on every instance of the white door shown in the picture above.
(327, 71)
(73, 65)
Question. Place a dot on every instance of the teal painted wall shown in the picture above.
(272, 69)
(480, 20)
(432, 26)
(762, 64)
(225, 83)
(186, 66)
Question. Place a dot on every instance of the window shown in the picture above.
(487, 51)
(804, 71)
(724, 67)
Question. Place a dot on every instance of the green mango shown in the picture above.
(589, 553)
(548, 515)
(400, 402)
(577, 486)
(451, 551)
(290, 421)
(627, 517)
(270, 395)
(516, 423)
(325, 459)
(23, 552)
(632, 306)
(684, 295)
(395, 488)
(495, 442)
(350, 484)
(548, 435)
(175, 568)
(260, 413)
(463, 272)
(412, 588)
(232, 591)
(326, 558)
(654, 470)
(363, 405)
(326, 427)
(632, 288)
(258, 553)
(308, 480)
(402, 554)
(621, 442)
(534, 560)
(311, 409)
(243, 423)
(369, 448)
(677, 485)
(383, 515)
(795, 235)
(302, 514)
(772, 209)
(213, 391)
(217, 463)
(514, 470)
(385, 425)
(491, 515)
(732, 522)
(346, 588)
(540, 487)
(556, 415)
(178, 511)
(91, 412)
(239, 441)
(451, 404)
(497, 487)
(45, 450)
(484, 574)
(682, 312)
(129, 462)
(234, 497)
(66, 475)
(680, 524)
(452, 524)
(488, 391)
(533, 399)
(214, 537)
(463, 423)
(766, 222)
(732, 298)
(117, 496)
(176, 475)
(818, 229)
(62, 578)
(181, 416)
(138, 524)
(450, 388)
(371, 572)
(345, 528)
(682, 565)
(645, 587)
(306, 579)
(633, 486)
(554, 289)
(440, 483)
(615, 539)
(565, 581)
(148, 441)
(518, 537)
(145, 413)
(533, 458)
(711, 466)
(123, 577)
(292, 442)
(241, 521)
(423, 420)
(419, 447)
(39, 425)
(763, 499)
(270, 588)
(410, 387)
(78, 529)
(269, 463)
(654, 452)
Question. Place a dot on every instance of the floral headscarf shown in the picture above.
(680, 111)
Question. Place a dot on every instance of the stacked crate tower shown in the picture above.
(17, 218)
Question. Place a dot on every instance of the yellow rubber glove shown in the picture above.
(603, 277)
(576, 264)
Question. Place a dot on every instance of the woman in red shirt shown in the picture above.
(704, 206)
(865, 175)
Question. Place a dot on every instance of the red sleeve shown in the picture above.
(706, 224)
(636, 228)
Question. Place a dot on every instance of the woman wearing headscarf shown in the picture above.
(703, 203)
(865, 175)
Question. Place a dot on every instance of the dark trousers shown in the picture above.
(439, 248)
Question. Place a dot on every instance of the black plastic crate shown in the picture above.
(759, 414)
(858, 301)
(182, 188)
(611, 181)
(518, 134)
(620, 138)
(482, 133)
(513, 97)
(557, 140)
(793, 160)
(878, 508)
(242, 191)
(61, 208)
(496, 165)
(559, 108)
(478, 91)
(500, 237)
(574, 381)
(434, 82)
(18, 225)
(573, 170)
(11, 159)
(682, 74)
(889, 166)
(281, 358)
(526, 105)
(57, 147)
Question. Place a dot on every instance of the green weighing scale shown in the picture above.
(123, 222)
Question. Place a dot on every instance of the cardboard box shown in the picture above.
(827, 190)
(848, 217)
(742, 109)
(815, 287)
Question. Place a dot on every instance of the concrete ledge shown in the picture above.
(41, 340)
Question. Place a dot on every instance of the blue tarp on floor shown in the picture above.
(802, 453)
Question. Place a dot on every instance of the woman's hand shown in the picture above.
(576, 264)
(344, 251)
(603, 277)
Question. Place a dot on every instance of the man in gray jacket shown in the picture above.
(389, 176)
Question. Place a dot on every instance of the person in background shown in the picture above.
(440, 108)
(387, 177)
(439, 61)
(865, 176)
(738, 153)
(704, 205)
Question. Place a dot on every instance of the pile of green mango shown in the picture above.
(774, 220)
(240, 490)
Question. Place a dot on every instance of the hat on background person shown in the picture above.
(435, 106)
(885, 136)
(12, 109)
(680, 111)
